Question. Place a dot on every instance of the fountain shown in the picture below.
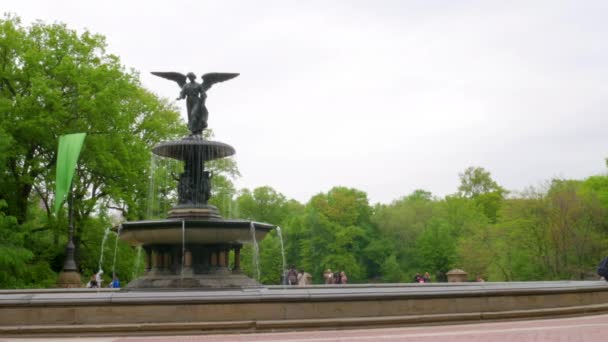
(191, 248)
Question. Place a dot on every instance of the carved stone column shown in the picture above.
(166, 268)
(213, 261)
(176, 260)
(157, 260)
(237, 259)
(148, 259)
(187, 270)
(223, 260)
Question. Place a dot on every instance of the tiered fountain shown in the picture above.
(191, 248)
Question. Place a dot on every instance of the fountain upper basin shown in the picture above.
(193, 145)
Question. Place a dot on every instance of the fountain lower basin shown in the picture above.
(196, 231)
(193, 252)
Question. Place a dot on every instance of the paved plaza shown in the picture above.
(588, 328)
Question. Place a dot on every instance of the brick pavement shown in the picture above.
(587, 329)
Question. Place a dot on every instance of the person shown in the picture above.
(93, 282)
(328, 276)
(304, 278)
(426, 278)
(418, 278)
(292, 276)
(308, 278)
(115, 284)
(343, 278)
(602, 269)
(98, 277)
(337, 279)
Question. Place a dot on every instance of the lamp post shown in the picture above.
(69, 276)
(69, 263)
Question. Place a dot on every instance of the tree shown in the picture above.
(518, 246)
(555, 234)
(399, 225)
(263, 204)
(391, 271)
(577, 226)
(55, 81)
(475, 181)
(334, 231)
(436, 248)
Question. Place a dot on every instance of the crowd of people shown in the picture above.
(335, 277)
(426, 278)
(295, 277)
(291, 277)
(302, 278)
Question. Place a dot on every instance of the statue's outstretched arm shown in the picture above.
(182, 94)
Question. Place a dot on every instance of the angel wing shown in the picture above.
(216, 77)
(173, 76)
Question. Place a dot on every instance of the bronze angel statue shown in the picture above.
(195, 95)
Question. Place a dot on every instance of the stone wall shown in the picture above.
(135, 312)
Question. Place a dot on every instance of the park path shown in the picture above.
(588, 329)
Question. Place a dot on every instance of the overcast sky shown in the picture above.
(383, 96)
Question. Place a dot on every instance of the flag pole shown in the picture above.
(69, 265)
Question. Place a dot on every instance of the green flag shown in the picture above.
(67, 156)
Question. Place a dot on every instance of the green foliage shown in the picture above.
(262, 204)
(271, 264)
(20, 266)
(54, 81)
(436, 248)
(333, 232)
(391, 272)
(475, 181)
(400, 224)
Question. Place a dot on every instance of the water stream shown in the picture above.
(151, 187)
(103, 243)
(116, 250)
(284, 269)
(256, 251)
